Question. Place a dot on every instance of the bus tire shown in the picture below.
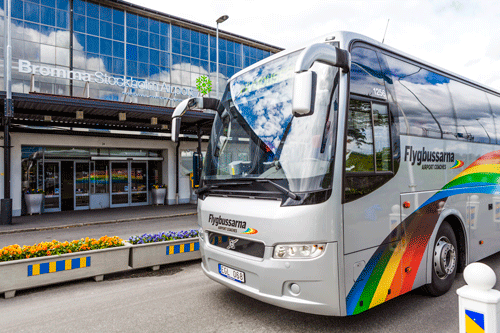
(444, 261)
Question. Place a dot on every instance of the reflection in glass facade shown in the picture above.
(113, 54)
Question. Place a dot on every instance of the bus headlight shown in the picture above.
(299, 251)
(201, 234)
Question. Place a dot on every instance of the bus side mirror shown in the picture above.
(176, 128)
(188, 104)
(304, 85)
(179, 111)
(304, 91)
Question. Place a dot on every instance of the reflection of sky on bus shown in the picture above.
(478, 124)
(263, 97)
(433, 101)
(301, 157)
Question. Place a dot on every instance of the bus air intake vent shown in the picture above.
(245, 246)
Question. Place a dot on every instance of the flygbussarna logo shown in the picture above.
(419, 156)
(250, 231)
(217, 221)
(458, 164)
(230, 224)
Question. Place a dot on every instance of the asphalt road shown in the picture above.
(122, 229)
(179, 298)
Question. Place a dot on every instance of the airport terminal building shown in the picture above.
(94, 84)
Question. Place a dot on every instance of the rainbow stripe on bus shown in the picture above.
(386, 274)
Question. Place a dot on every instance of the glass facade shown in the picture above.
(112, 54)
(90, 178)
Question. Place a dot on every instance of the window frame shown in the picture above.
(380, 177)
(375, 172)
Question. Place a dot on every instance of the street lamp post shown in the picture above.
(6, 202)
(219, 20)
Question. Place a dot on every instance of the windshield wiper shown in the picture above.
(289, 193)
(208, 187)
(211, 186)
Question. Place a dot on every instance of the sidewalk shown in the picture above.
(77, 218)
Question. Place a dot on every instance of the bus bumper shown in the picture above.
(275, 281)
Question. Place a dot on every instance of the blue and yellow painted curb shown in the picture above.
(58, 266)
(182, 248)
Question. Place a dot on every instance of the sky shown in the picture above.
(457, 35)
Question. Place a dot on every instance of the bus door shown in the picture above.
(371, 203)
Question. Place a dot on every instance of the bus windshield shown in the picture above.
(255, 135)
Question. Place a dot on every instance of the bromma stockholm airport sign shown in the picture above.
(102, 78)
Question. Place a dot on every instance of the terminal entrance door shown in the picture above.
(129, 185)
(82, 185)
(50, 175)
(67, 185)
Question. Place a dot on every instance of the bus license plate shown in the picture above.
(232, 274)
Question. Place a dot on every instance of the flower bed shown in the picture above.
(153, 250)
(34, 191)
(162, 236)
(16, 252)
(53, 262)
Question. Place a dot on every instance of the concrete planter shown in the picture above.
(33, 203)
(35, 272)
(159, 195)
(160, 253)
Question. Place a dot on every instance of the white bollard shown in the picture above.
(479, 305)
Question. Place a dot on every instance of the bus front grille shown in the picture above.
(245, 246)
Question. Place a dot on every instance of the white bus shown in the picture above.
(343, 174)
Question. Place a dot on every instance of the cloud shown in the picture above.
(448, 33)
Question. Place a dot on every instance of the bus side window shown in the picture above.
(359, 150)
(495, 107)
(368, 159)
(382, 137)
(366, 77)
(424, 101)
(364, 153)
(474, 114)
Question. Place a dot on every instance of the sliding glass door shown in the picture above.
(82, 185)
(129, 183)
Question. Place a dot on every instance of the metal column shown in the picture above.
(6, 202)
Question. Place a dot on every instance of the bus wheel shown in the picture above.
(445, 261)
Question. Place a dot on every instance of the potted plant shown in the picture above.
(33, 199)
(46, 263)
(159, 192)
(153, 250)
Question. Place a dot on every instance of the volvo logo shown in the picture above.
(232, 243)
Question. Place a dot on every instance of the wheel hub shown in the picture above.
(445, 258)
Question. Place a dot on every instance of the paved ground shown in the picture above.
(96, 216)
(123, 230)
(122, 222)
(180, 298)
